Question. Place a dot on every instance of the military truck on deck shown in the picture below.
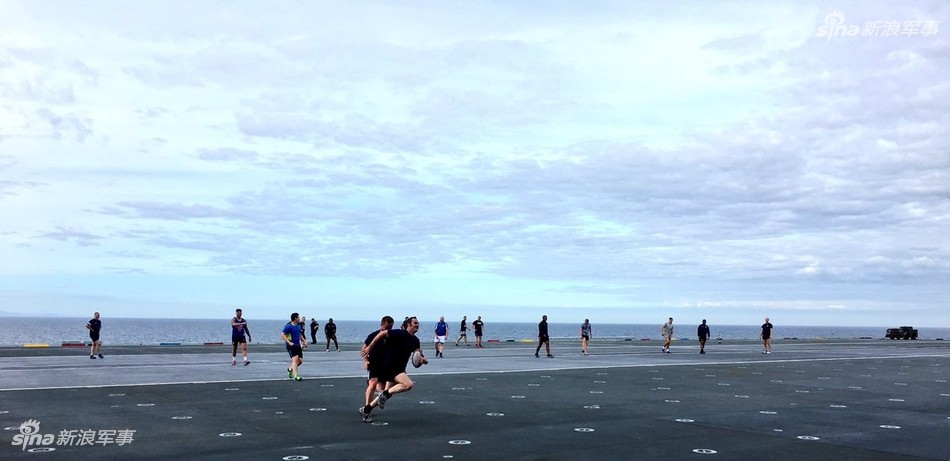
(901, 333)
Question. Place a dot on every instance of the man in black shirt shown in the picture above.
(330, 330)
(400, 344)
(94, 326)
(543, 337)
(703, 332)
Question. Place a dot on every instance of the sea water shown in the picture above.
(16, 331)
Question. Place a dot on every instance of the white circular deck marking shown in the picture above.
(426, 402)
(600, 382)
(808, 437)
(318, 409)
(777, 381)
(778, 430)
(596, 392)
(685, 420)
(494, 414)
(658, 379)
(803, 392)
(232, 389)
(379, 423)
(900, 384)
(113, 406)
(278, 412)
(723, 384)
(766, 412)
(116, 395)
(704, 451)
(855, 387)
(41, 450)
(517, 396)
(601, 374)
(479, 379)
(710, 376)
(895, 400)
(756, 372)
(3, 412)
(671, 401)
(546, 376)
(823, 377)
(181, 417)
(945, 395)
(940, 380)
(534, 385)
(838, 406)
(741, 396)
(229, 434)
(888, 426)
(295, 458)
(583, 429)
(268, 398)
(597, 407)
(459, 442)
(145, 404)
(326, 385)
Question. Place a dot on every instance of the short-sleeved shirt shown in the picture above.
(329, 329)
(543, 329)
(667, 329)
(462, 327)
(766, 330)
(703, 331)
(400, 345)
(95, 325)
(478, 325)
(585, 330)
(238, 331)
(292, 333)
(441, 329)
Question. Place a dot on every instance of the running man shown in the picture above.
(478, 326)
(330, 331)
(543, 337)
(400, 344)
(374, 362)
(703, 332)
(292, 337)
(94, 326)
(441, 332)
(238, 330)
(463, 332)
(766, 336)
(586, 331)
(667, 332)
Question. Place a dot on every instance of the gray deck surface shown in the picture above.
(811, 400)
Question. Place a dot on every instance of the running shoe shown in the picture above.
(290, 374)
(298, 378)
(233, 362)
(101, 357)
(247, 362)
(550, 356)
(381, 400)
(367, 418)
(92, 357)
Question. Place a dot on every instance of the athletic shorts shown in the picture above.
(238, 340)
(440, 339)
(376, 371)
(390, 374)
(543, 339)
(94, 336)
(478, 334)
(295, 351)
(463, 333)
(587, 337)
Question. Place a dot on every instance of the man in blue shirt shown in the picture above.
(441, 332)
(295, 344)
(238, 331)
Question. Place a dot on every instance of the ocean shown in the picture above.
(16, 331)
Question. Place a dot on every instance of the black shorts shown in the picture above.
(478, 334)
(377, 371)
(389, 374)
(94, 336)
(238, 340)
(295, 351)
(587, 337)
(543, 338)
(463, 333)
(764, 337)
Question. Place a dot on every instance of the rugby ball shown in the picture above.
(416, 359)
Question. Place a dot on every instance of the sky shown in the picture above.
(619, 161)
